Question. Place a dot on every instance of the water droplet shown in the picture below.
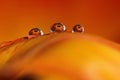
(58, 27)
(78, 28)
(36, 31)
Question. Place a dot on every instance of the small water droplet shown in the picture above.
(58, 27)
(36, 31)
(78, 28)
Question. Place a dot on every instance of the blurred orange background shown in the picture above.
(99, 17)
